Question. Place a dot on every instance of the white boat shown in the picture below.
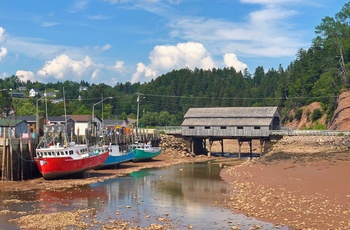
(56, 157)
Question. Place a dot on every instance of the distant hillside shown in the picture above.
(339, 121)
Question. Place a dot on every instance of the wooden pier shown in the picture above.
(17, 154)
(17, 159)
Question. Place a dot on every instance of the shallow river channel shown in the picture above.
(187, 194)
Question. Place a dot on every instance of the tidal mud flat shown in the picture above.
(302, 183)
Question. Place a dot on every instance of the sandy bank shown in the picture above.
(303, 183)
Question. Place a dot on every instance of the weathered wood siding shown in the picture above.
(231, 122)
(246, 131)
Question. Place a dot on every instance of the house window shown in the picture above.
(256, 127)
(223, 127)
(239, 127)
(206, 127)
(191, 127)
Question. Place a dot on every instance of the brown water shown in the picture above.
(188, 194)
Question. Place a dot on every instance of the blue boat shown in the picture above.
(117, 155)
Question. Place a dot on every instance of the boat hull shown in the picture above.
(52, 168)
(115, 160)
(146, 154)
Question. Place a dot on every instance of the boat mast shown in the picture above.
(137, 116)
(65, 118)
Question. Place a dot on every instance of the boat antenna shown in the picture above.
(65, 110)
(65, 117)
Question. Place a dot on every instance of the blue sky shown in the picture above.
(111, 41)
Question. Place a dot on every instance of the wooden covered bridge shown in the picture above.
(242, 123)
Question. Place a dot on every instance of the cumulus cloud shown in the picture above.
(265, 32)
(118, 66)
(3, 50)
(231, 60)
(3, 53)
(167, 57)
(63, 67)
(25, 75)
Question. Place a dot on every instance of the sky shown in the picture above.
(118, 41)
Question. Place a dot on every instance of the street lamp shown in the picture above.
(93, 111)
(137, 116)
(37, 118)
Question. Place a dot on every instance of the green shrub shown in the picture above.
(298, 114)
(316, 114)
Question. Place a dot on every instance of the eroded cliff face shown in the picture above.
(340, 120)
(341, 117)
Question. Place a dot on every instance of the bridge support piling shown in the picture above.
(239, 148)
(222, 146)
(262, 143)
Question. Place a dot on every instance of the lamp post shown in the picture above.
(137, 115)
(93, 112)
(37, 119)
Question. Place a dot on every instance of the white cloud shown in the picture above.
(49, 24)
(2, 34)
(231, 60)
(265, 32)
(103, 48)
(25, 75)
(3, 53)
(79, 5)
(63, 67)
(167, 57)
(118, 66)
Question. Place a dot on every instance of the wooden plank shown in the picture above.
(3, 159)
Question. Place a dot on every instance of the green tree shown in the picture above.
(334, 36)
(5, 103)
(25, 109)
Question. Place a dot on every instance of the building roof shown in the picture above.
(9, 122)
(80, 118)
(56, 119)
(109, 122)
(230, 116)
(27, 118)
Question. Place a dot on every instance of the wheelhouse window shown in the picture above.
(239, 127)
(256, 127)
(206, 127)
(191, 127)
(223, 127)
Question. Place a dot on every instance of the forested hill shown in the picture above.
(318, 74)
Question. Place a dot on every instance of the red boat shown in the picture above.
(57, 160)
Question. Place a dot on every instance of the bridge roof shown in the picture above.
(232, 112)
(230, 116)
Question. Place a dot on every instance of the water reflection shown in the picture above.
(188, 194)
